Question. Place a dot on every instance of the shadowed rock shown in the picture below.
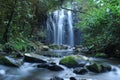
(52, 67)
(81, 71)
(56, 78)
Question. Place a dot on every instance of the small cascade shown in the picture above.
(60, 28)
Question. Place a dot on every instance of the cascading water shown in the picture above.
(60, 28)
(71, 42)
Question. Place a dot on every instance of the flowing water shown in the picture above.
(28, 71)
(60, 28)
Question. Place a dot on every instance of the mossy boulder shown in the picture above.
(69, 61)
(99, 68)
(74, 61)
(95, 67)
(4, 60)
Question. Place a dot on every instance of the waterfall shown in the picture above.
(71, 42)
(60, 28)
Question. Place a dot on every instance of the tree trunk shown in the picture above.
(7, 29)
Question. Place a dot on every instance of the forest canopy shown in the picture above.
(99, 21)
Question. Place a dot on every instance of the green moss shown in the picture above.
(69, 61)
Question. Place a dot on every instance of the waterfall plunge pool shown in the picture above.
(28, 72)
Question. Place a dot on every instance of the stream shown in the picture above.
(28, 71)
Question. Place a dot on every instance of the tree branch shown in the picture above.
(72, 10)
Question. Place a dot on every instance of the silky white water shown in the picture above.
(60, 27)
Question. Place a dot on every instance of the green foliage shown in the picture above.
(18, 44)
(100, 24)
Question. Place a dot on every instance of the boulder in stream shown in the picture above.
(80, 71)
(69, 61)
(73, 78)
(56, 78)
(52, 67)
(95, 67)
(44, 48)
(106, 68)
(32, 59)
(74, 61)
(98, 68)
(8, 61)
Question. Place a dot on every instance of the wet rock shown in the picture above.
(69, 61)
(56, 78)
(81, 71)
(98, 68)
(77, 49)
(52, 67)
(44, 48)
(82, 63)
(81, 48)
(19, 56)
(64, 47)
(7, 61)
(119, 66)
(94, 68)
(114, 69)
(31, 59)
(72, 78)
(42, 65)
(52, 46)
(106, 68)
(85, 79)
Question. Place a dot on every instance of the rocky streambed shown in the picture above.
(58, 67)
